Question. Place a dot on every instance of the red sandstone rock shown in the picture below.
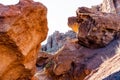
(95, 29)
(75, 62)
(22, 28)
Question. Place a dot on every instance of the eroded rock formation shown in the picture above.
(94, 54)
(57, 40)
(75, 62)
(108, 6)
(111, 6)
(95, 29)
(22, 28)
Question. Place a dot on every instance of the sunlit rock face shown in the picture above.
(22, 28)
(98, 26)
(95, 29)
(93, 55)
(111, 6)
(108, 6)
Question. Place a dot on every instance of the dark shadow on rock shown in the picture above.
(114, 76)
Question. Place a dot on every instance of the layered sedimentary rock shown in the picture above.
(57, 40)
(22, 28)
(95, 29)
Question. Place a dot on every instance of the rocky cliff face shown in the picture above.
(95, 29)
(93, 53)
(111, 6)
(57, 40)
(108, 6)
(22, 28)
(75, 62)
(109, 70)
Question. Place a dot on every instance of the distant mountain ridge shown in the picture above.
(57, 40)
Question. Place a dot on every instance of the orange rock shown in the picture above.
(73, 24)
(34, 78)
(22, 28)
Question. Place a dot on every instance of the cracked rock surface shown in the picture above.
(95, 29)
(22, 28)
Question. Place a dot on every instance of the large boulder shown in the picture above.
(22, 28)
(95, 29)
